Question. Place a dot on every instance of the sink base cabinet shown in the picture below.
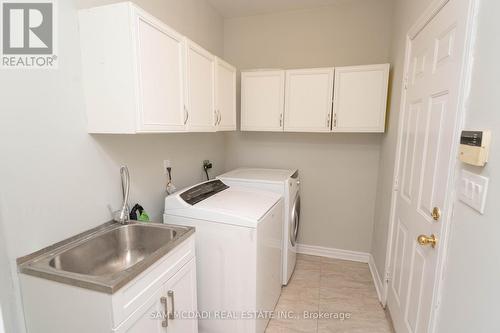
(160, 300)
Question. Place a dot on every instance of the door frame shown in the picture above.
(466, 73)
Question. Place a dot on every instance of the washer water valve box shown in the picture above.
(474, 147)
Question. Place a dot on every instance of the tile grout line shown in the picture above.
(319, 291)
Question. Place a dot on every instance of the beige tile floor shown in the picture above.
(333, 288)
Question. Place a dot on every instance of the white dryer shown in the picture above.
(284, 182)
(238, 253)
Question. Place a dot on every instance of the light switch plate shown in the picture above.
(473, 190)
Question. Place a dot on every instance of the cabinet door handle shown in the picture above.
(328, 118)
(164, 301)
(220, 116)
(186, 115)
(171, 315)
(216, 114)
(281, 119)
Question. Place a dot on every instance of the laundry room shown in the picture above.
(248, 166)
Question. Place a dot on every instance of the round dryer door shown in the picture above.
(295, 220)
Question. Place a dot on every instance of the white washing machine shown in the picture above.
(238, 252)
(286, 183)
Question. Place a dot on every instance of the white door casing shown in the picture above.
(425, 163)
(308, 100)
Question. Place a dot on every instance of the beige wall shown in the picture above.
(194, 18)
(56, 180)
(350, 33)
(406, 12)
(338, 171)
(7, 306)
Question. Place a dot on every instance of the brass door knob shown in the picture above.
(436, 213)
(427, 240)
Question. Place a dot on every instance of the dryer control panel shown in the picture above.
(203, 191)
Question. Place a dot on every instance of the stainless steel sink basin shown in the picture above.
(107, 257)
(113, 251)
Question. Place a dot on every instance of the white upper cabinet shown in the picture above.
(225, 99)
(132, 71)
(262, 99)
(200, 89)
(308, 100)
(140, 76)
(360, 98)
(301, 100)
(159, 51)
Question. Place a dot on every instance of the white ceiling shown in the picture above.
(238, 8)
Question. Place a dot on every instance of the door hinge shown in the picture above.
(387, 277)
(406, 82)
(395, 186)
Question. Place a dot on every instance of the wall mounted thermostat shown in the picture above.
(474, 147)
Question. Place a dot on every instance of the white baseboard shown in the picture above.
(333, 253)
(346, 255)
(376, 279)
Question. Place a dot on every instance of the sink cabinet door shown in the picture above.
(182, 304)
(148, 318)
(170, 309)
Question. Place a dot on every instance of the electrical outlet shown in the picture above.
(207, 164)
(166, 164)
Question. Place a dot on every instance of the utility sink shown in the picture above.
(107, 257)
(113, 251)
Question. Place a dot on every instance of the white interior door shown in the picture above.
(226, 96)
(160, 56)
(200, 82)
(426, 139)
(262, 100)
(308, 100)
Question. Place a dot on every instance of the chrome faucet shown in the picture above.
(122, 216)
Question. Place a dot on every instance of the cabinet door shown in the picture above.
(182, 304)
(360, 98)
(170, 309)
(200, 83)
(225, 96)
(308, 100)
(160, 76)
(262, 94)
(150, 317)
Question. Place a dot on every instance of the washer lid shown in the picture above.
(257, 174)
(234, 205)
(243, 202)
